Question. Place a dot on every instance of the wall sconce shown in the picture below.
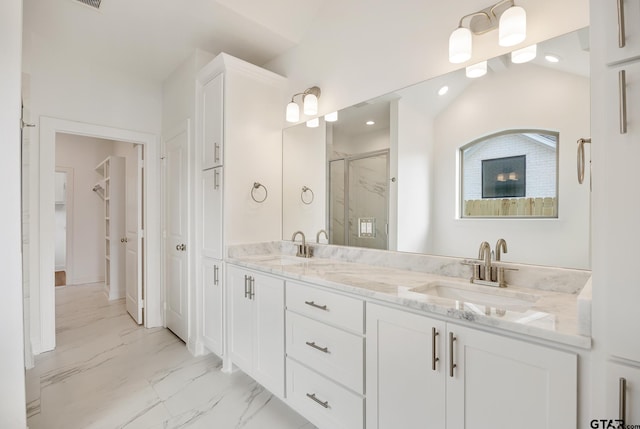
(511, 21)
(309, 104)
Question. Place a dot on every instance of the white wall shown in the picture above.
(360, 49)
(528, 239)
(347, 145)
(304, 160)
(86, 250)
(12, 387)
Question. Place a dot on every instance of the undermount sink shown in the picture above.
(500, 298)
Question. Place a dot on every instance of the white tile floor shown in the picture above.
(107, 372)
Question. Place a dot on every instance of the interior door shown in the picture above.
(176, 249)
(133, 240)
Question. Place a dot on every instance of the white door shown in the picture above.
(176, 234)
(133, 225)
(405, 370)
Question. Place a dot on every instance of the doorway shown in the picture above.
(43, 297)
(63, 213)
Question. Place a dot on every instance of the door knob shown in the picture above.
(181, 247)
(122, 240)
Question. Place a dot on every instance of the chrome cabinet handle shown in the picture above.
(246, 286)
(621, 32)
(452, 365)
(314, 305)
(216, 152)
(216, 179)
(313, 397)
(181, 247)
(252, 287)
(434, 352)
(622, 89)
(317, 347)
(215, 275)
(622, 411)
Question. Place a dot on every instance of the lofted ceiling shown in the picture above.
(152, 37)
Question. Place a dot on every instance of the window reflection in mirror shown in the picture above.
(510, 174)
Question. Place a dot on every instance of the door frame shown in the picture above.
(68, 200)
(43, 322)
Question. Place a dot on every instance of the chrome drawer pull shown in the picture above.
(452, 365)
(621, 31)
(622, 89)
(312, 396)
(246, 286)
(623, 399)
(317, 347)
(314, 305)
(215, 275)
(216, 152)
(434, 353)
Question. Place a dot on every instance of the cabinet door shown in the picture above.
(240, 318)
(212, 123)
(623, 152)
(212, 305)
(499, 382)
(626, 16)
(212, 213)
(268, 298)
(403, 389)
(631, 397)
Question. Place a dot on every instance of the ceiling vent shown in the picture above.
(93, 3)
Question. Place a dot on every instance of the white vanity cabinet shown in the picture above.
(422, 371)
(255, 305)
(212, 305)
(622, 17)
(212, 122)
(325, 356)
(623, 393)
(212, 213)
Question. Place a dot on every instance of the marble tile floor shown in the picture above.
(107, 372)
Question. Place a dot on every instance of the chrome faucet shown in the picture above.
(322, 231)
(304, 251)
(484, 253)
(484, 272)
(501, 245)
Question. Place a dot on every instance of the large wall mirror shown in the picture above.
(389, 173)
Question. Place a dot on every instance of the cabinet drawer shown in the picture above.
(332, 308)
(323, 402)
(330, 351)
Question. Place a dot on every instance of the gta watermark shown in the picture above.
(612, 424)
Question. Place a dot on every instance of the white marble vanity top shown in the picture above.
(549, 313)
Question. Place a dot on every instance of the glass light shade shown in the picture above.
(313, 123)
(293, 112)
(476, 70)
(310, 102)
(524, 55)
(331, 117)
(460, 45)
(513, 26)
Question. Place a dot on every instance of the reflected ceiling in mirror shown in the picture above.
(422, 129)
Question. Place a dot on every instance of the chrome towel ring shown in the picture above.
(303, 193)
(258, 185)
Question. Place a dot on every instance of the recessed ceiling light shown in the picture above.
(443, 90)
(552, 58)
(370, 122)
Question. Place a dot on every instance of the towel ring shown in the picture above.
(258, 185)
(304, 191)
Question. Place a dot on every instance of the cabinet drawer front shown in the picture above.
(335, 353)
(320, 400)
(332, 308)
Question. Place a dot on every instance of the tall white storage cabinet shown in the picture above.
(112, 169)
(615, 53)
(239, 139)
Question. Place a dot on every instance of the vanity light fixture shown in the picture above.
(309, 104)
(476, 70)
(524, 55)
(313, 123)
(331, 117)
(443, 90)
(509, 19)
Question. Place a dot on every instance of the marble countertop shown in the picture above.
(539, 313)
